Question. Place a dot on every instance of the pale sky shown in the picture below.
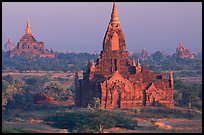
(81, 26)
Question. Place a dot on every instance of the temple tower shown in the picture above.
(138, 67)
(114, 39)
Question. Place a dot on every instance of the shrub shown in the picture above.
(93, 121)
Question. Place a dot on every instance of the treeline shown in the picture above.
(78, 61)
(64, 62)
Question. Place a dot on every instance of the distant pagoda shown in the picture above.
(9, 45)
(182, 52)
(144, 54)
(28, 45)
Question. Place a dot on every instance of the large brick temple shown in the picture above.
(120, 82)
(28, 45)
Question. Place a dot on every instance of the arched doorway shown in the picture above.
(116, 99)
(119, 99)
(117, 94)
(153, 101)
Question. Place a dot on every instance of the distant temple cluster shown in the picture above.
(28, 45)
(9, 45)
(143, 55)
(182, 52)
(120, 82)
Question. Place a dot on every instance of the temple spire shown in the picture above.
(138, 63)
(180, 44)
(28, 24)
(138, 67)
(114, 15)
(28, 28)
(134, 64)
(9, 40)
(92, 64)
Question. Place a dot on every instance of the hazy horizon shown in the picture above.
(81, 26)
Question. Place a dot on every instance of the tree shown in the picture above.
(35, 84)
(157, 56)
(96, 103)
(56, 90)
(188, 97)
(4, 101)
(5, 84)
(10, 91)
(9, 79)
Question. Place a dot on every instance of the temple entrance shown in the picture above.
(119, 100)
(116, 100)
(153, 101)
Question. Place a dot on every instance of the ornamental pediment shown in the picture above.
(116, 77)
(152, 89)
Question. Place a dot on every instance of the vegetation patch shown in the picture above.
(170, 113)
(15, 130)
(90, 121)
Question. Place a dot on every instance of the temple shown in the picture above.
(182, 52)
(118, 81)
(9, 45)
(28, 45)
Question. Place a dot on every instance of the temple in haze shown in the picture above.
(9, 45)
(118, 81)
(28, 46)
(182, 52)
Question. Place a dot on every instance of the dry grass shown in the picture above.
(32, 120)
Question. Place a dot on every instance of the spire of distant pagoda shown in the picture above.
(28, 24)
(138, 67)
(134, 64)
(114, 15)
(9, 40)
(28, 28)
(138, 63)
(92, 64)
(180, 44)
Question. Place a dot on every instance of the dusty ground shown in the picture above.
(32, 120)
(145, 126)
